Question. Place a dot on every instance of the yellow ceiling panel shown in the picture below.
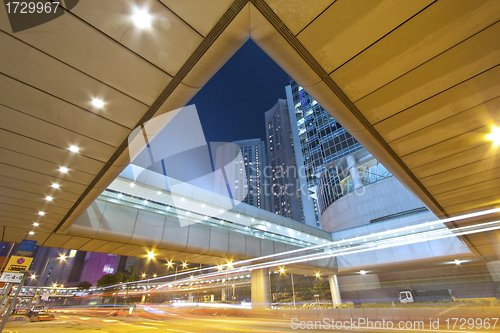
(202, 15)
(469, 58)
(87, 49)
(348, 27)
(466, 95)
(436, 29)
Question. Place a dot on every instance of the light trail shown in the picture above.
(359, 244)
(363, 247)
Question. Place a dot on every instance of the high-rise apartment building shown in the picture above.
(242, 169)
(284, 177)
(253, 152)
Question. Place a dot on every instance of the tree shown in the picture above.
(84, 285)
(132, 276)
(107, 280)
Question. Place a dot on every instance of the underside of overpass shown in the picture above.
(417, 84)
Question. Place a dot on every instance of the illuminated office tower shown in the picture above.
(319, 138)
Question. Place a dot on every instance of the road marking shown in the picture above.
(443, 312)
(153, 328)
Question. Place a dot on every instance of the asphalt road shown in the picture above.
(67, 323)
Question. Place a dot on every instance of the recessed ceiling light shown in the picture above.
(132, 184)
(494, 136)
(74, 149)
(120, 195)
(98, 103)
(55, 185)
(31, 233)
(141, 18)
(362, 272)
(48, 198)
(36, 224)
(159, 192)
(63, 169)
(41, 213)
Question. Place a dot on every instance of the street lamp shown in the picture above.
(151, 255)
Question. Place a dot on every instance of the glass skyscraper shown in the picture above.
(322, 139)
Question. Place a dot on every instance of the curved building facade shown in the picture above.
(357, 190)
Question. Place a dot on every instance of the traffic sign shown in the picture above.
(17, 264)
(11, 277)
(27, 245)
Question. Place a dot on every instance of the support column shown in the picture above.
(494, 265)
(223, 294)
(334, 289)
(261, 291)
(356, 180)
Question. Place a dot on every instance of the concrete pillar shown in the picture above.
(494, 269)
(260, 288)
(334, 289)
(356, 180)
(223, 294)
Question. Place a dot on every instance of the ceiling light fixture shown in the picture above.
(98, 103)
(63, 169)
(31, 233)
(48, 198)
(55, 185)
(74, 149)
(41, 213)
(36, 224)
(494, 136)
(141, 18)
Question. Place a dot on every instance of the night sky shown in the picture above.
(232, 104)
